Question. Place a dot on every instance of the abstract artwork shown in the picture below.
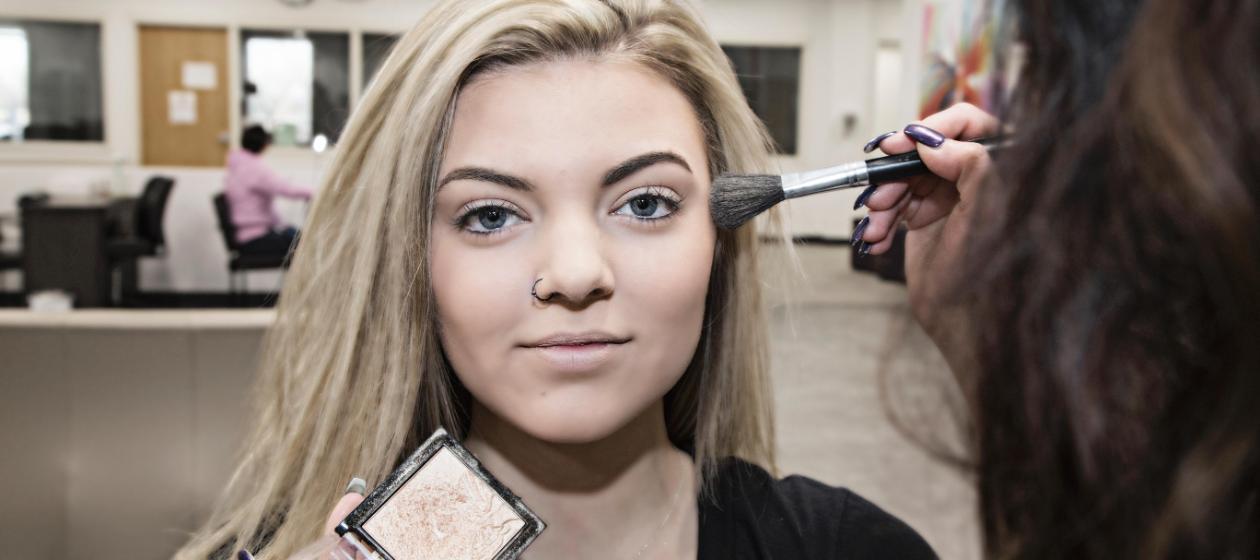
(959, 39)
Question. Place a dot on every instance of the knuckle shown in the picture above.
(965, 107)
(972, 154)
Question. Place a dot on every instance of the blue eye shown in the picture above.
(488, 218)
(649, 206)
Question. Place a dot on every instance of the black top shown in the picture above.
(749, 514)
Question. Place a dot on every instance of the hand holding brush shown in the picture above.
(735, 199)
(937, 210)
(927, 184)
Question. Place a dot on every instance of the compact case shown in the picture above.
(441, 503)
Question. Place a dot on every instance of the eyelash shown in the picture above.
(471, 209)
(673, 201)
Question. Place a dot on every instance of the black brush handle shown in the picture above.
(904, 166)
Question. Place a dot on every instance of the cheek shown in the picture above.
(479, 296)
(664, 283)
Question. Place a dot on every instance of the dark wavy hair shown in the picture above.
(1115, 278)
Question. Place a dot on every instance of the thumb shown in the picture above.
(351, 500)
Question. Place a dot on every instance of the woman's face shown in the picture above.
(592, 176)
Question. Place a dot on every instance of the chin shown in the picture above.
(564, 420)
(574, 425)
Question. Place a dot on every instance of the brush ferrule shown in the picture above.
(845, 176)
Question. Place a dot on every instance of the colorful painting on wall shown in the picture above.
(958, 63)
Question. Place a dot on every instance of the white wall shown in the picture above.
(838, 40)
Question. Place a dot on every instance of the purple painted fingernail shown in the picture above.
(874, 143)
(857, 231)
(861, 199)
(865, 250)
(244, 555)
(925, 135)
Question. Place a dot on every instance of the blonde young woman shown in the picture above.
(515, 245)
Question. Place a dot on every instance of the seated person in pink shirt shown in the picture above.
(251, 187)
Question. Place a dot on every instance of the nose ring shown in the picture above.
(533, 291)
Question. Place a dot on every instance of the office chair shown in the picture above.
(146, 236)
(239, 264)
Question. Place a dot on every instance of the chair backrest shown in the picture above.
(151, 210)
(224, 213)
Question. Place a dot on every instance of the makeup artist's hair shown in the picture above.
(1115, 271)
(353, 377)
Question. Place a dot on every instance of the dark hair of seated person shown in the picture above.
(255, 139)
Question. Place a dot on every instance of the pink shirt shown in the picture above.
(251, 186)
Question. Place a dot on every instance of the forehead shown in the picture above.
(567, 111)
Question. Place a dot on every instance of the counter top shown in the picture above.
(140, 319)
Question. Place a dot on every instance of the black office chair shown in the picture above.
(144, 236)
(147, 237)
(239, 263)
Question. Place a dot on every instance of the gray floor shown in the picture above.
(845, 353)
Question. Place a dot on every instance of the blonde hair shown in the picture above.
(353, 376)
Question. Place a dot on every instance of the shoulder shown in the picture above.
(747, 513)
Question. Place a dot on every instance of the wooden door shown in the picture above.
(183, 96)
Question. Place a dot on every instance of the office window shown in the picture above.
(771, 80)
(50, 81)
(297, 84)
(376, 48)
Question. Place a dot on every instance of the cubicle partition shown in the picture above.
(119, 427)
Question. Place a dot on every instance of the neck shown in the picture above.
(600, 499)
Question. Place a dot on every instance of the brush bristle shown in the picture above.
(735, 199)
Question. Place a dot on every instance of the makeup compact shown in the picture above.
(440, 504)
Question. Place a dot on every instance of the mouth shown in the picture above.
(578, 340)
(578, 353)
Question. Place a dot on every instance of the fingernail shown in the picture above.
(865, 250)
(861, 199)
(857, 231)
(874, 143)
(357, 485)
(925, 135)
(244, 555)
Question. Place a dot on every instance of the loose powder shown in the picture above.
(444, 512)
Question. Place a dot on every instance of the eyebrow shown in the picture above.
(637, 163)
(486, 175)
(614, 175)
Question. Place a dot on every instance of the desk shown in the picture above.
(64, 245)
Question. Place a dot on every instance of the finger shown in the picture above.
(963, 120)
(343, 508)
(896, 143)
(935, 206)
(886, 196)
(881, 247)
(881, 223)
(958, 162)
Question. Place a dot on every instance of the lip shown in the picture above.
(578, 339)
(583, 352)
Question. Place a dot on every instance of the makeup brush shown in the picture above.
(735, 199)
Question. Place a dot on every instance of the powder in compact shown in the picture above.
(444, 511)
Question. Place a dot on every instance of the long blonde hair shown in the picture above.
(353, 376)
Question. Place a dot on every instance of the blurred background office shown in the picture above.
(130, 316)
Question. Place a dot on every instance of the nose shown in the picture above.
(575, 271)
